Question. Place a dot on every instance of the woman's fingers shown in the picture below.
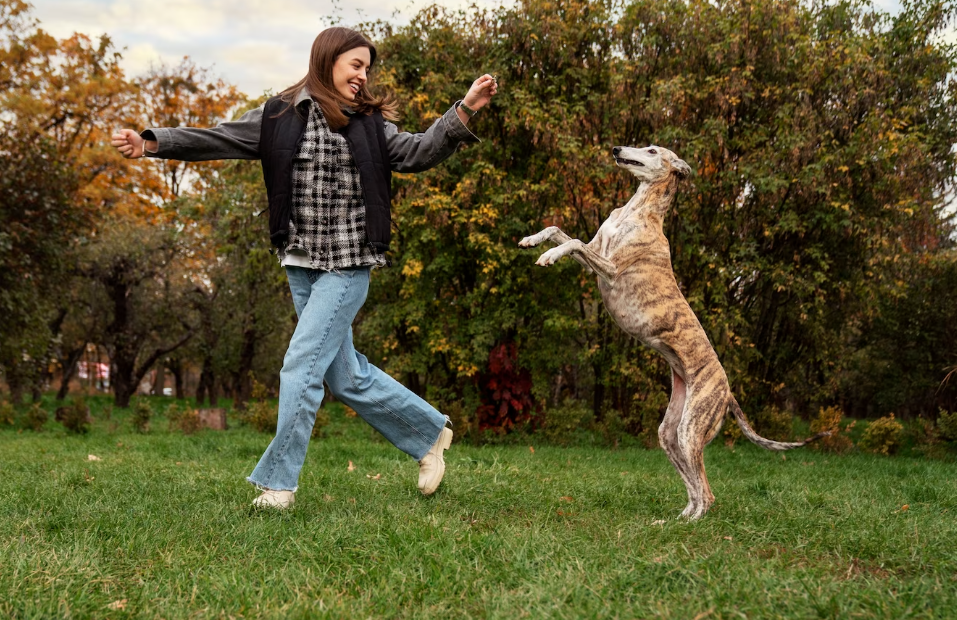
(128, 143)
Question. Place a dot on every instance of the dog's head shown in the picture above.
(651, 163)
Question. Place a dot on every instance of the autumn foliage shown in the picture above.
(814, 240)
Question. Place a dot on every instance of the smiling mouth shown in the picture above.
(628, 162)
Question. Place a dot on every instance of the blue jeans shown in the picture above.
(321, 348)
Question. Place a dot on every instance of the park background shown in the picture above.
(815, 241)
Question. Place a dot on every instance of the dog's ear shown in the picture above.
(681, 168)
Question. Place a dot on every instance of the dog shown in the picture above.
(632, 259)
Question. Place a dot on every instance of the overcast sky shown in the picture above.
(255, 44)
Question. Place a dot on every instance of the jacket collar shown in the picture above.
(303, 95)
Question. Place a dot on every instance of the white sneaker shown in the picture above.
(275, 499)
(432, 465)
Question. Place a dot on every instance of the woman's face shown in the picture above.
(350, 72)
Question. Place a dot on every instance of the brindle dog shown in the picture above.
(632, 259)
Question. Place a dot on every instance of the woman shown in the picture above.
(328, 152)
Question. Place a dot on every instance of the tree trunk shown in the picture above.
(176, 368)
(159, 381)
(242, 385)
(69, 368)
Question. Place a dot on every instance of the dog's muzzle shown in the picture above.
(628, 162)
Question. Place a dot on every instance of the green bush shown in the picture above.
(142, 413)
(829, 419)
(773, 423)
(563, 421)
(184, 420)
(8, 415)
(882, 436)
(322, 421)
(75, 417)
(36, 417)
(262, 416)
(947, 426)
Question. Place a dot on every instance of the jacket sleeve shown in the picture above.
(237, 139)
(415, 152)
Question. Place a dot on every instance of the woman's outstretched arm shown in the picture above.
(237, 139)
(415, 152)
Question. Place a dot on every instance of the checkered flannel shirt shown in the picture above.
(328, 211)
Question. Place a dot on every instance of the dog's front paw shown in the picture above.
(528, 242)
(549, 258)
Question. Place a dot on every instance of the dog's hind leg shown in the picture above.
(668, 433)
(699, 424)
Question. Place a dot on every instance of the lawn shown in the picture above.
(162, 527)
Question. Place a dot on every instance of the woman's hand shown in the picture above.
(481, 92)
(131, 145)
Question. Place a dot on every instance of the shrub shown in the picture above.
(882, 436)
(947, 426)
(142, 412)
(75, 417)
(7, 414)
(36, 417)
(651, 410)
(322, 421)
(774, 424)
(173, 414)
(732, 432)
(829, 419)
(563, 420)
(184, 420)
(506, 392)
(262, 416)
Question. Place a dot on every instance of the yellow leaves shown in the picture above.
(439, 344)
(412, 268)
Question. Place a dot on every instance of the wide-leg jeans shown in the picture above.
(321, 349)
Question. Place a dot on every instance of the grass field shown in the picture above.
(161, 527)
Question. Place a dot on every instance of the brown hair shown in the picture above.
(328, 46)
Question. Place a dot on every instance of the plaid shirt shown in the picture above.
(328, 212)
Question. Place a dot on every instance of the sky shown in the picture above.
(254, 44)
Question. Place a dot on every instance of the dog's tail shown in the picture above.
(767, 444)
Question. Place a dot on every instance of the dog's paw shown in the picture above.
(549, 258)
(528, 242)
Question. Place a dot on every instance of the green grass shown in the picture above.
(163, 522)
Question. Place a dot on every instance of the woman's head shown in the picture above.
(339, 66)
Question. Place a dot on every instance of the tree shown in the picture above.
(821, 139)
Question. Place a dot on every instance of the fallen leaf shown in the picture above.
(93, 457)
(350, 412)
(905, 507)
(624, 473)
(784, 458)
(531, 449)
(179, 462)
(352, 500)
(118, 605)
(567, 498)
(375, 477)
(727, 538)
(658, 522)
(328, 497)
(351, 467)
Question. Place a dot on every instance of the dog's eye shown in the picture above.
(652, 152)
